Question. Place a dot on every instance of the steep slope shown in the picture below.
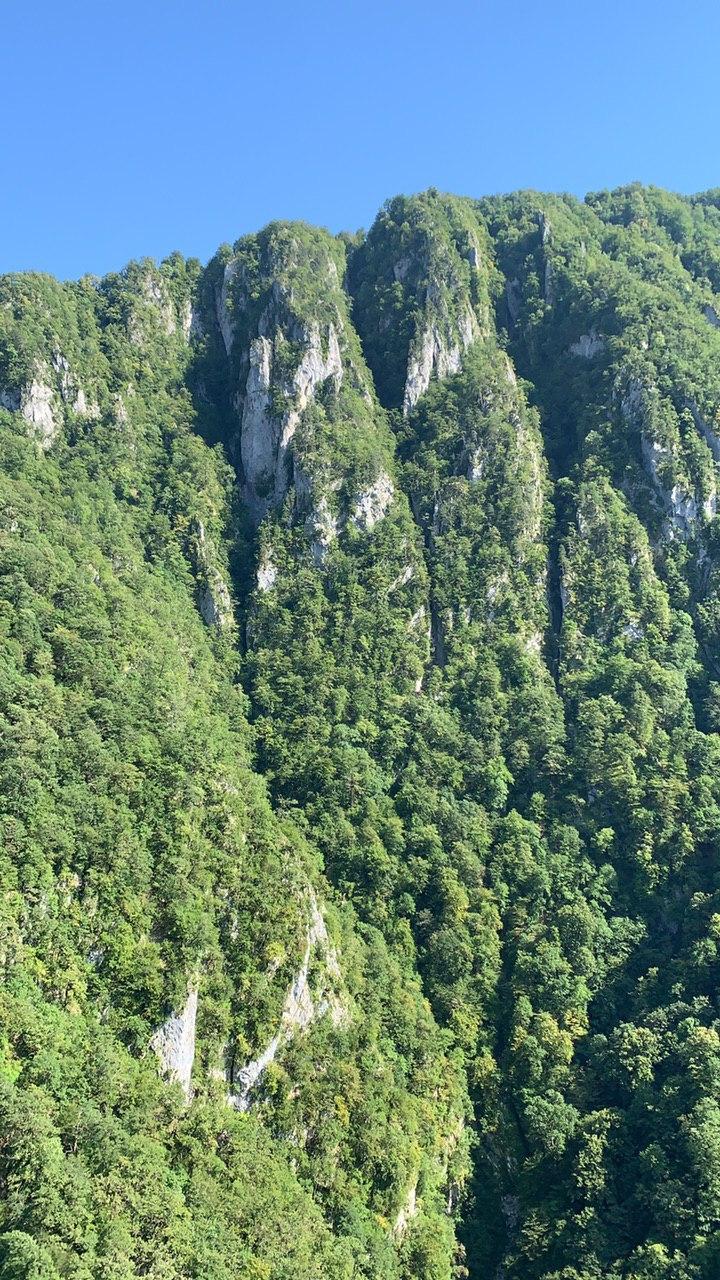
(160, 921)
(614, 333)
(361, 801)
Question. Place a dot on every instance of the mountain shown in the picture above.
(359, 738)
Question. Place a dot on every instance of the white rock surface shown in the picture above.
(402, 578)
(215, 600)
(709, 435)
(174, 1044)
(221, 305)
(476, 466)
(434, 352)
(632, 402)
(267, 573)
(215, 603)
(408, 1211)
(70, 391)
(265, 438)
(37, 409)
(259, 433)
(549, 274)
(36, 404)
(190, 322)
(300, 1010)
(322, 527)
(402, 267)
(588, 345)
(534, 642)
(155, 293)
(681, 505)
(373, 503)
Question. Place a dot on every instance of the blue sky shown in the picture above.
(136, 128)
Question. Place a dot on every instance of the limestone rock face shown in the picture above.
(174, 1044)
(156, 294)
(265, 434)
(436, 352)
(257, 441)
(153, 308)
(373, 503)
(710, 436)
(432, 256)
(36, 403)
(71, 394)
(588, 345)
(322, 528)
(303, 1005)
(215, 601)
(215, 604)
(222, 305)
(267, 573)
(407, 1211)
(282, 316)
(403, 578)
(302, 394)
(548, 271)
(191, 322)
(684, 508)
(37, 409)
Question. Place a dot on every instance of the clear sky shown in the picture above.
(133, 127)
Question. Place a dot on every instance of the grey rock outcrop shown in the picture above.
(303, 1005)
(214, 600)
(191, 322)
(222, 305)
(437, 349)
(408, 1210)
(422, 262)
(682, 506)
(216, 604)
(155, 292)
(710, 436)
(37, 403)
(153, 308)
(322, 528)
(265, 433)
(174, 1044)
(548, 269)
(403, 578)
(588, 345)
(684, 509)
(373, 503)
(267, 573)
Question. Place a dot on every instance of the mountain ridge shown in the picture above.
(361, 806)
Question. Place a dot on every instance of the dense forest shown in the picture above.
(360, 752)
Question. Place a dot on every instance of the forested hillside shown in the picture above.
(360, 752)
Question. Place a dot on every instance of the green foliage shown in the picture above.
(473, 735)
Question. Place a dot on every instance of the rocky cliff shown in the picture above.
(359, 746)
